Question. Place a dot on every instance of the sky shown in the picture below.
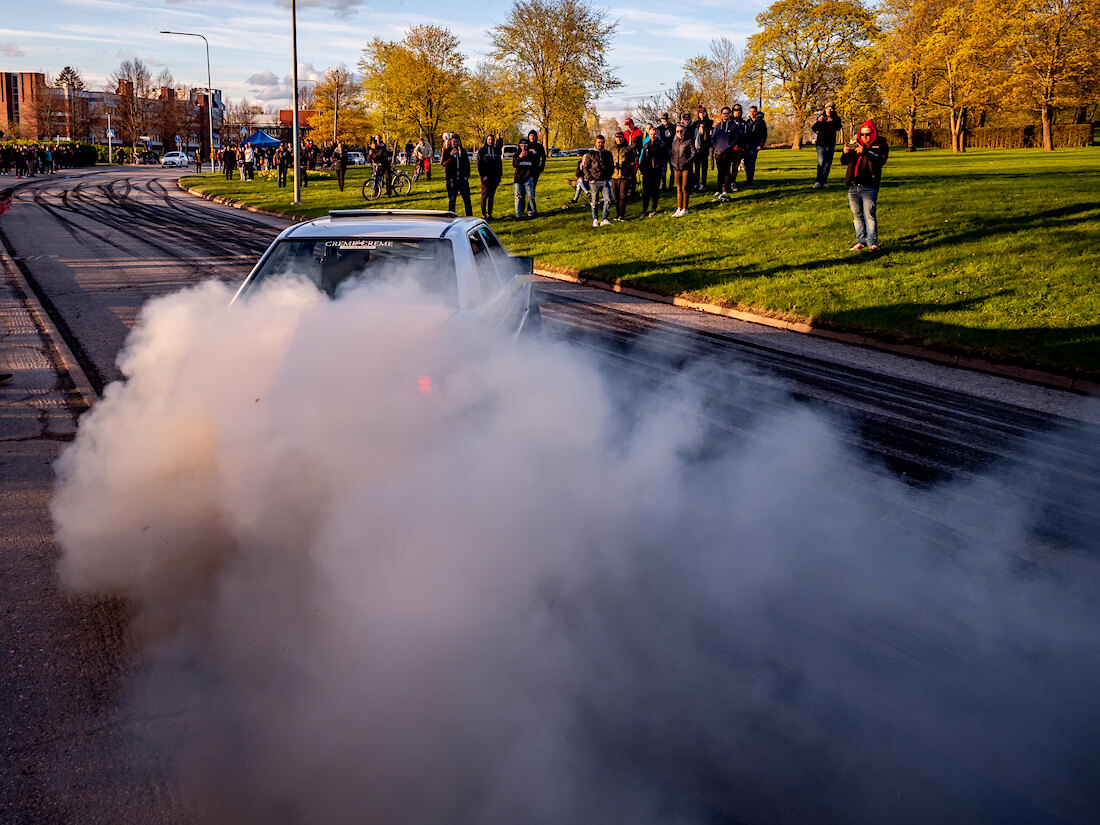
(250, 49)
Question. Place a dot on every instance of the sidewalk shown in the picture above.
(49, 390)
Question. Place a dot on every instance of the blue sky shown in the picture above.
(250, 39)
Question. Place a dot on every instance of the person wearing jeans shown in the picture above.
(865, 157)
(596, 167)
(756, 137)
(525, 162)
(826, 127)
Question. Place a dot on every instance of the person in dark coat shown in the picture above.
(622, 176)
(724, 139)
(596, 167)
(703, 125)
(283, 159)
(666, 131)
(539, 151)
(490, 168)
(756, 138)
(340, 163)
(456, 166)
(524, 164)
(681, 157)
(229, 161)
(865, 156)
(652, 163)
(826, 127)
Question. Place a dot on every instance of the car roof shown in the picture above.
(407, 224)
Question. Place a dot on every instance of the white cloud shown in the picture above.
(11, 50)
(265, 78)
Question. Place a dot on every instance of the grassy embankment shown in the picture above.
(992, 253)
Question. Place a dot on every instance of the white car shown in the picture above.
(458, 262)
(357, 159)
(175, 159)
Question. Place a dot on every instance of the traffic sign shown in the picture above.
(244, 131)
(179, 140)
(110, 134)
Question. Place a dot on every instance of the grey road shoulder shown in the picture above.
(1032, 396)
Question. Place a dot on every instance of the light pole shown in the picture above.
(294, 126)
(209, 93)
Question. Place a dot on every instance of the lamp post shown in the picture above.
(294, 125)
(209, 93)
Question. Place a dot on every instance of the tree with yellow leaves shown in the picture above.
(341, 113)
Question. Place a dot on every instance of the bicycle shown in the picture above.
(400, 184)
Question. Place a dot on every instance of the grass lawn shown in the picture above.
(990, 253)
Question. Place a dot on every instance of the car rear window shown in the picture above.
(334, 263)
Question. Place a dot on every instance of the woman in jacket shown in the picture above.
(490, 169)
(622, 178)
(865, 157)
(680, 158)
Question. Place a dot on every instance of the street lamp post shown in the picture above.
(294, 126)
(209, 93)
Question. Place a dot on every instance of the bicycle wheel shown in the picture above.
(370, 189)
(401, 184)
(417, 172)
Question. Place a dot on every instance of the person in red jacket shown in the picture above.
(865, 156)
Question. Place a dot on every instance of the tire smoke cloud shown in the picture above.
(515, 599)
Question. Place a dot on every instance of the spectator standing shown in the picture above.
(724, 138)
(423, 152)
(681, 158)
(490, 169)
(666, 131)
(633, 135)
(596, 167)
(738, 146)
(229, 162)
(865, 156)
(249, 162)
(408, 151)
(826, 127)
(539, 151)
(524, 164)
(340, 163)
(622, 176)
(283, 156)
(689, 133)
(756, 138)
(651, 163)
(456, 167)
(703, 125)
(379, 156)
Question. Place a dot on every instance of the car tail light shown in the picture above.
(425, 384)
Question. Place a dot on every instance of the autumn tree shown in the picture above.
(803, 49)
(1054, 55)
(684, 96)
(490, 103)
(715, 74)
(132, 82)
(557, 51)
(45, 116)
(341, 113)
(416, 82)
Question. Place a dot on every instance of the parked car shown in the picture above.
(557, 153)
(509, 151)
(175, 159)
(357, 159)
(457, 262)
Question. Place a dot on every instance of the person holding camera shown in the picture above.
(865, 156)
(622, 176)
(826, 127)
(525, 164)
(456, 167)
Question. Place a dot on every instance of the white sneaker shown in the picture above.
(595, 223)
(679, 213)
(653, 214)
(605, 222)
(816, 185)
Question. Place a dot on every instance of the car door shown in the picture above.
(496, 304)
(513, 275)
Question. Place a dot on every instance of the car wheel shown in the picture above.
(533, 324)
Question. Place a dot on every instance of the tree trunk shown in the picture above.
(911, 131)
(1080, 114)
(1048, 127)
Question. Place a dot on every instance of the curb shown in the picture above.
(1031, 376)
(64, 355)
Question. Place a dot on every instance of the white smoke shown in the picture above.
(500, 602)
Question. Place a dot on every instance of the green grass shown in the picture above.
(992, 253)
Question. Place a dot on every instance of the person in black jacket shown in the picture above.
(340, 163)
(666, 132)
(703, 125)
(651, 163)
(229, 162)
(456, 166)
(596, 167)
(539, 151)
(724, 139)
(378, 155)
(865, 156)
(826, 127)
(756, 137)
(283, 158)
(525, 163)
(490, 169)
(680, 159)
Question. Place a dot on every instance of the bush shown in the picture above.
(997, 137)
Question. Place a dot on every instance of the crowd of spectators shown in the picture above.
(27, 160)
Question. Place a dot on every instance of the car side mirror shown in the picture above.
(523, 264)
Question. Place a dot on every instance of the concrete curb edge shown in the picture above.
(1031, 376)
(65, 355)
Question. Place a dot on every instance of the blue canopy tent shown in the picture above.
(261, 138)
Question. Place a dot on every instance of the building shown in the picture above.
(286, 123)
(20, 94)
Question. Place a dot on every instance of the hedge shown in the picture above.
(1078, 135)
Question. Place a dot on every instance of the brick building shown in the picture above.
(19, 97)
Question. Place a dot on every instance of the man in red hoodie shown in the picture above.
(865, 156)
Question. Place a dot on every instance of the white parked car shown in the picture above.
(357, 159)
(457, 262)
(175, 159)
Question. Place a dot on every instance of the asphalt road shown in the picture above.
(96, 247)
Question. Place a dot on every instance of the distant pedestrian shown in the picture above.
(283, 158)
(229, 161)
(681, 158)
(756, 138)
(539, 151)
(456, 166)
(597, 166)
(826, 127)
(666, 131)
(865, 156)
(408, 151)
(490, 169)
(423, 153)
(340, 163)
